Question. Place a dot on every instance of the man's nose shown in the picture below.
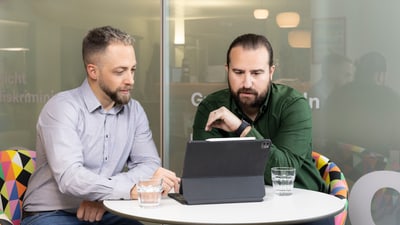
(248, 81)
(129, 79)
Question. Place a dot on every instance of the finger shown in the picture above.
(161, 172)
(168, 182)
(79, 213)
(177, 182)
(213, 121)
(92, 215)
(100, 214)
(169, 173)
(168, 188)
(165, 190)
(87, 215)
(96, 212)
(171, 183)
(177, 185)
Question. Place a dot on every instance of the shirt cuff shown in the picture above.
(121, 191)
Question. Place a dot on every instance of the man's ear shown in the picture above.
(380, 78)
(91, 70)
(271, 71)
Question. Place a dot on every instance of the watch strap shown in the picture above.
(241, 128)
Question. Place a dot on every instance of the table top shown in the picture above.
(301, 206)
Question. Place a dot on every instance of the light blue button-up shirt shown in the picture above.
(87, 153)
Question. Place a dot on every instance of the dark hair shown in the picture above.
(98, 39)
(332, 60)
(251, 41)
(368, 65)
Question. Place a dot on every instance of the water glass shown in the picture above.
(149, 192)
(283, 180)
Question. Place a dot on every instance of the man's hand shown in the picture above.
(90, 211)
(223, 119)
(170, 181)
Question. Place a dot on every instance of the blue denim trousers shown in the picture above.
(60, 217)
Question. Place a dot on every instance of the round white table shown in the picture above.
(301, 206)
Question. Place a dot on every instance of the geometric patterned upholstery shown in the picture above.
(16, 166)
(334, 178)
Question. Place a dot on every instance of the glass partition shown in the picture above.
(340, 54)
(40, 55)
(200, 33)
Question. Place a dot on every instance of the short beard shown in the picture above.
(113, 95)
(256, 104)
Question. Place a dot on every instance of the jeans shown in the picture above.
(60, 217)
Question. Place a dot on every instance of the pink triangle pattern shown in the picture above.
(15, 169)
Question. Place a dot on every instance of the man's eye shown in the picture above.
(238, 71)
(257, 72)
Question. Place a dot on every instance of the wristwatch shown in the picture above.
(241, 128)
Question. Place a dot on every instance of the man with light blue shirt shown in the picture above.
(93, 142)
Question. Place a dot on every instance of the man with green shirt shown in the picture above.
(253, 106)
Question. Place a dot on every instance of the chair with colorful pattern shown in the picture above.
(16, 168)
(336, 181)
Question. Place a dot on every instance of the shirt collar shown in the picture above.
(91, 101)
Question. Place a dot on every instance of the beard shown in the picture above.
(245, 102)
(115, 96)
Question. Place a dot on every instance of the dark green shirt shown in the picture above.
(285, 118)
